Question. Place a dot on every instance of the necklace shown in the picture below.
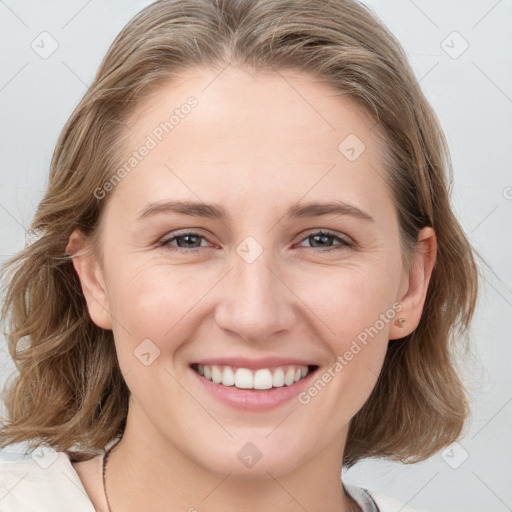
(105, 460)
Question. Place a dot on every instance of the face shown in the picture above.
(254, 283)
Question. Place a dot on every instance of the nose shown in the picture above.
(255, 301)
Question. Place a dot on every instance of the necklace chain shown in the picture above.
(105, 460)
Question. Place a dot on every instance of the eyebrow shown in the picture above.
(216, 211)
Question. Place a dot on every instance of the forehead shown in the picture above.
(265, 137)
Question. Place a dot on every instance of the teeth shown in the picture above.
(263, 379)
(243, 378)
(289, 377)
(228, 377)
(216, 375)
(278, 378)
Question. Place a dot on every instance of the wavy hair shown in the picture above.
(69, 392)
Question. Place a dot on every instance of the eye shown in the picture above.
(186, 242)
(323, 238)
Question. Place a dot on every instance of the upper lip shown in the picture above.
(253, 364)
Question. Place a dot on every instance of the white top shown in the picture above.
(44, 480)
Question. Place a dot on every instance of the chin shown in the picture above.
(246, 460)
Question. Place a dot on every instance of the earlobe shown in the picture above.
(408, 318)
(91, 279)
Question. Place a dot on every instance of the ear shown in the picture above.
(91, 279)
(416, 283)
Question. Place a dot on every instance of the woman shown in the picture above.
(246, 271)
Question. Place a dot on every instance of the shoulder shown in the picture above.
(374, 501)
(43, 480)
(389, 504)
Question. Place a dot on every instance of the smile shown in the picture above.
(255, 379)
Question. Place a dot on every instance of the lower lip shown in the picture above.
(254, 400)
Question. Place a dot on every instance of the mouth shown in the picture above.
(254, 379)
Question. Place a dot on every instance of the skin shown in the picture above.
(256, 146)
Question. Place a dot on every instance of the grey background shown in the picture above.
(470, 90)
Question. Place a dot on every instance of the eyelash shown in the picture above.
(166, 242)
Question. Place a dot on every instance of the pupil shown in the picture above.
(323, 237)
(187, 237)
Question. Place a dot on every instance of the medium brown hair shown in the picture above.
(70, 392)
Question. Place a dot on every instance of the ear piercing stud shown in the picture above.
(399, 322)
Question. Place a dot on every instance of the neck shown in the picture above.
(172, 482)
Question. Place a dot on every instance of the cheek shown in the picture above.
(158, 301)
(356, 306)
(153, 307)
(150, 300)
(356, 315)
(350, 299)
